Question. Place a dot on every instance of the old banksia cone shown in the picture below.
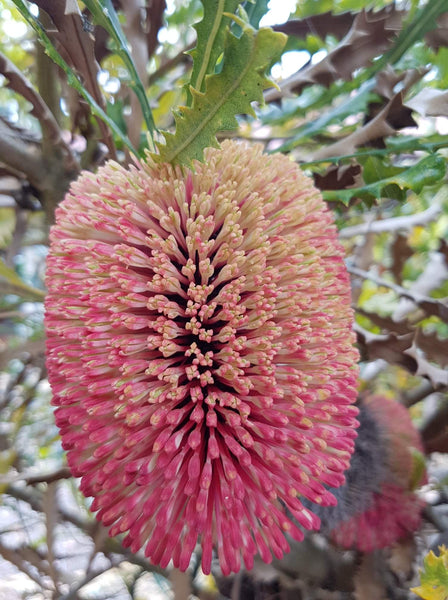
(377, 504)
(200, 352)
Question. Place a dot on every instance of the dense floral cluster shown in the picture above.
(200, 353)
(377, 505)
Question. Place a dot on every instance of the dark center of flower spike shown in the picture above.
(200, 353)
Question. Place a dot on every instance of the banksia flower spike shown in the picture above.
(200, 353)
(377, 505)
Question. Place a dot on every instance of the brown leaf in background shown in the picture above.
(369, 579)
(430, 103)
(381, 126)
(398, 115)
(339, 177)
(387, 324)
(443, 249)
(73, 40)
(437, 444)
(76, 45)
(435, 349)
(437, 376)
(400, 251)
(321, 25)
(371, 34)
(390, 347)
(436, 423)
(439, 36)
(154, 21)
(402, 557)
(387, 79)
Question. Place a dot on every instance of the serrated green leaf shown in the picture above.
(428, 171)
(241, 81)
(211, 34)
(434, 577)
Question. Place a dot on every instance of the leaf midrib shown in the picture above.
(195, 133)
(209, 46)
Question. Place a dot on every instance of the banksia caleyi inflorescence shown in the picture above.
(200, 352)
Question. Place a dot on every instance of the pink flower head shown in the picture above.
(200, 353)
(392, 509)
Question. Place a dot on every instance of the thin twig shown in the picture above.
(170, 64)
(429, 305)
(20, 155)
(393, 224)
(22, 86)
(417, 394)
(33, 479)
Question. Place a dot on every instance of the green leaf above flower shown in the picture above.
(226, 94)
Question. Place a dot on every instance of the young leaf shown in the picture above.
(241, 81)
(434, 577)
(428, 171)
(211, 32)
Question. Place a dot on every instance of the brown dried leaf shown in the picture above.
(369, 580)
(400, 254)
(75, 43)
(398, 115)
(437, 444)
(435, 349)
(388, 78)
(402, 556)
(339, 177)
(439, 36)
(443, 249)
(321, 25)
(390, 347)
(437, 376)
(154, 21)
(430, 103)
(382, 125)
(436, 423)
(371, 34)
(387, 324)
